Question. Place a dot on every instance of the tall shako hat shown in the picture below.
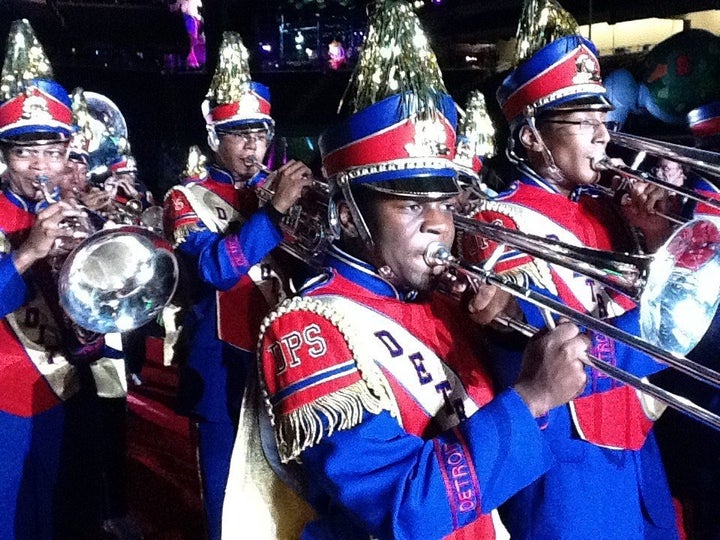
(234, 101)
(33, 107)
(557, 69)
(475, 135)
(399, 135)
(704, 121)
(80, 139)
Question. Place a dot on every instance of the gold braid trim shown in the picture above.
(343, 409)
(180, 234)
(536, 270)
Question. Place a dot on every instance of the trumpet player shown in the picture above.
(556, 107)
(42, 494)
(124, 185)
(221, 234)
(380, 404)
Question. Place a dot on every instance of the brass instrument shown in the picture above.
(80, 227)
(118, 279)
(624, 171)
(677, 290)
(309, 226)
(115, 279)
(701, 160)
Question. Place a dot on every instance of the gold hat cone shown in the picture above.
(195, 165)
(395, 58)
(232, 75)
(476, 132)
(24, 60)
(541, 23)
(81, 119)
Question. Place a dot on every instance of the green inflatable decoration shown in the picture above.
(682, 72)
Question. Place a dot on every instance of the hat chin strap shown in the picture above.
(547, 155)
(362, 228)
(212, 139)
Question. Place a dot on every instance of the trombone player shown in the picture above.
(378, 399)
(556, 107)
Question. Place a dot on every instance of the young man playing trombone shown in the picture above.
(220, 234)
(381, 405)
(608, 481)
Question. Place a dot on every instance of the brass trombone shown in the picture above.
(702, 160)
(659, 282)
(662, 283)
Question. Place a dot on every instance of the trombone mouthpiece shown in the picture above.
(600, 165)
(437, 254)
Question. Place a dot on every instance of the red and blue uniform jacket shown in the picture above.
(384, 400)
(602, 439)
(701, 186)
(219, 233)
(36, 374)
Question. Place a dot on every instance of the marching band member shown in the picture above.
(41, 495)
(221, 234)
(124, 184)
(378, 398)
(556, 107)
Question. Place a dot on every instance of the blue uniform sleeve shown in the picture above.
(13, 289)
(224, 259)
(397, 485)
(606, 349)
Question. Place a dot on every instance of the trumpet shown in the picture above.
(79, 227)
(310, 226)
(669, 285)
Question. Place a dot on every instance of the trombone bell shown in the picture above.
(676, 287)
(683, 290)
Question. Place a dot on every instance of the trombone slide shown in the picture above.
(437, 254)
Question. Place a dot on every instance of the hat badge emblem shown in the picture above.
(248, 103)
(430, 139)
(35, 107)
(587, 69)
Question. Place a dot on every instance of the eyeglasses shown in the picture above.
(586, 125)
(25, 153)
(247, 138)
(669, 169)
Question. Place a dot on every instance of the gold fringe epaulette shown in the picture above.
(342, 409)
(180, 234)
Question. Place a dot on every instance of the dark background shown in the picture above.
(131, 51)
